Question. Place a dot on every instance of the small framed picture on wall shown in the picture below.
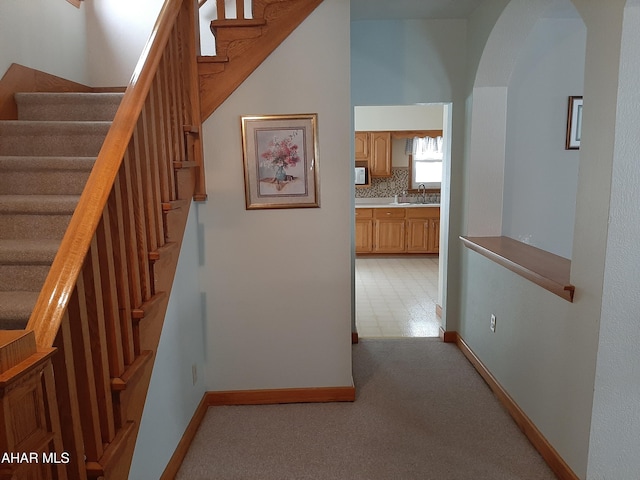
(280, 161)
(574, 123)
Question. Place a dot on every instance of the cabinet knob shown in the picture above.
(388, 213)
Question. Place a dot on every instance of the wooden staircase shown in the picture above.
(243, 44)
(47, 155)
(74, 381)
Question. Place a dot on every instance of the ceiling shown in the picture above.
(411, 9)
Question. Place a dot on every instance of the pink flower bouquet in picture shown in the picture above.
(280, 159)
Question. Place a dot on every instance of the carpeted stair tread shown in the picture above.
(36, 163)
(44, 175)
(68, 106)
(34, 138)
(35, 216)
(38, 204)
(45, 159)
(24, 264)
(28, 252)
(15, 309)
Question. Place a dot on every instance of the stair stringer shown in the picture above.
(245, 55)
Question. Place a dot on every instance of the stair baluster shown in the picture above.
(104, 299)
(103, 302)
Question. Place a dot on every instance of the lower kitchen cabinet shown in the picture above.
(364, 230)
(423, 230)
(397, 230)
(434, 235)
(389, 236)
(418, 234)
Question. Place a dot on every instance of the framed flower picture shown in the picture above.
(280, 161)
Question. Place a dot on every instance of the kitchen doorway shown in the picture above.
(400, 295)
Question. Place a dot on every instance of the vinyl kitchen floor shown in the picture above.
(396, 297)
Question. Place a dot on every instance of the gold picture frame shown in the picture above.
(280, 155)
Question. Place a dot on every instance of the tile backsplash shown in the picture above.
(390, 186)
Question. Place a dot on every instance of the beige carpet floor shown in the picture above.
(421, 412)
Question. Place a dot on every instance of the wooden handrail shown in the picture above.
(103, 302)
(50, 307)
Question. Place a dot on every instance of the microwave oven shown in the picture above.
(361, 176)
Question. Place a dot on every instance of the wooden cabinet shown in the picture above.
(364, 230)
(423, 229)
(380, 162)
(434, 235)
(375, 149)
(417, 235)
(397, 230)
(361, 145)
(389, 230)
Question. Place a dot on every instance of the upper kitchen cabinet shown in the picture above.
(380, 162)
(361, 145)
(375, 149)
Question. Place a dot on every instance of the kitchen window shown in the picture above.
(426, 161)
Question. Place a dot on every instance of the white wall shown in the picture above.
(117, 31)
(45, 35)
(616, 407)
(544, 349)
(404, 62)
(98, 44)
(541, 177)
(278, 282)
(172, 397)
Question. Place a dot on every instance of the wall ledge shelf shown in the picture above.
(548, 270)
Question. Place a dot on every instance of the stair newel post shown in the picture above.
(190, 40)
(30, 441)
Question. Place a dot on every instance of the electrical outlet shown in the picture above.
(493, 323)
(194, 373)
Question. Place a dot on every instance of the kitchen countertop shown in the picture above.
(388, 203)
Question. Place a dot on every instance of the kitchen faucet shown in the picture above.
(422, 193)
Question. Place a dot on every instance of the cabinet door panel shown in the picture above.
(361, 146)
(380, 154)
(418, 235)
(364, 236)
(434, 235)
(389, 236)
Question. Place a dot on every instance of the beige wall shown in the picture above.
(277, 283)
